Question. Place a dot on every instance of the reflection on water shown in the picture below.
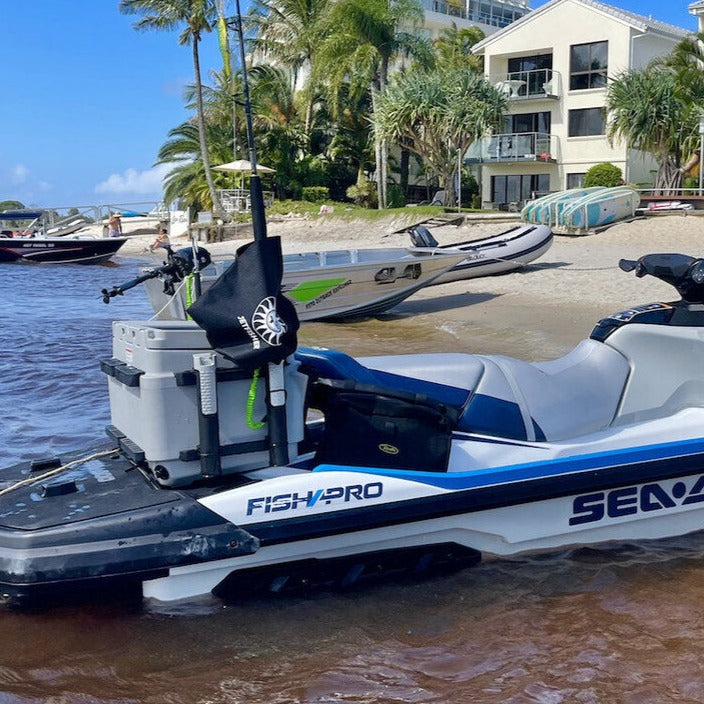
(617, 624)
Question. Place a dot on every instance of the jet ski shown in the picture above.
(391, 463)
(239, 463)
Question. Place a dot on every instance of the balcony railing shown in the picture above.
(514, 147)
(236, 200)
(495, 13)
(520, 85)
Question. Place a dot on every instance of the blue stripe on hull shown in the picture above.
(457, 481)
(654, 465)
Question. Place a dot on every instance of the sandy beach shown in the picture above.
(538, 312)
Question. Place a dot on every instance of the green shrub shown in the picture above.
(395, 197)
(606, 175)
(363, 193)
(315, 194)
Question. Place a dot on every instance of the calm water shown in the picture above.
(621, 624)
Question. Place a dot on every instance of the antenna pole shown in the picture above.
(276, 397)
(255, 187)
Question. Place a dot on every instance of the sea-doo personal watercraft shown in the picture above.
(330, 469)
(413, 459)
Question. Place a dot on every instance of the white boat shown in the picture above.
(492, 255)
(416, 461)
(352, 283)
(593, 210)
(326, 285)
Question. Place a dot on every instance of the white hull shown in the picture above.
(348, 283)
(331, 285)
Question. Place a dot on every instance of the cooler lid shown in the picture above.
(161, 334)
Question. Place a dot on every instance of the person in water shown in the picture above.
(115, 226)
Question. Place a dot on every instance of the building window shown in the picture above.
(528, 122)
(586, 122)
(588, 65)
(518, 187)
(535, 71)
(575, 180)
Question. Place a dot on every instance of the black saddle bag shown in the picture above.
(371, 426)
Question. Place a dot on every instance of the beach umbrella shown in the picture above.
(242, 166)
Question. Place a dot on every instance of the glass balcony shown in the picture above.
(521, 85)
(494, 13)
(514, 147)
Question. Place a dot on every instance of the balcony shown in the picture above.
(494, 13)
(539, 84)
(236, 200)
(516, 147)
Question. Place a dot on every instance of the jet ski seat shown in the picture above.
(497, 395)
(534, 401)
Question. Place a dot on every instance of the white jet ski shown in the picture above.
(414, 461)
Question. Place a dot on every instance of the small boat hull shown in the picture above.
(332, 285)
(499, 254)
(59, 250)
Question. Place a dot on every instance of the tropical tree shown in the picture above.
(289, 33)
(650, 112)
(437, 115)
(453, 47)
(186, 181)
(362, 39)
(686, 64)
(198, 17)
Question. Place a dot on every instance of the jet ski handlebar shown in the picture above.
(684, 273)
(179, 264)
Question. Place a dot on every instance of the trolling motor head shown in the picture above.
(179, 264)
(684, 273)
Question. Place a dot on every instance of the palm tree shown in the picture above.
(454, 48)
(182, 149)
(438, 114)
(289, 33)
(363, 37)
(651, 113)
(198, 17)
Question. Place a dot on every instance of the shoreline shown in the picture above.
(537, 312)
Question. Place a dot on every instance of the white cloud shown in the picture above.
(135, 182)
(19, 174)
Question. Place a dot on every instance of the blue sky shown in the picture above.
(87, 100)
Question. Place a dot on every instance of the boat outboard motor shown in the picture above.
(421, 237)
(179, 264)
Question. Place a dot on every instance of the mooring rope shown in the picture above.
(56, 470)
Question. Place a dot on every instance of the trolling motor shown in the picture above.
(179, 264)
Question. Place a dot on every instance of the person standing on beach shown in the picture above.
(115, 226)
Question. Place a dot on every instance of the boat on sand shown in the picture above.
(353, 283)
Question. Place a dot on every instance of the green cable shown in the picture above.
(251, 398)
(190, 280)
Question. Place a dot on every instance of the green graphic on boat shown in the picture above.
(310, 290)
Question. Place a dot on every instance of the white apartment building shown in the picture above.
(554, 64)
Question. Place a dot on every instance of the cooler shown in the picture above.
(154, 402)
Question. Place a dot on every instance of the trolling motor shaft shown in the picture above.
(180, 264)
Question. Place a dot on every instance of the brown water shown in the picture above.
(620, 624)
